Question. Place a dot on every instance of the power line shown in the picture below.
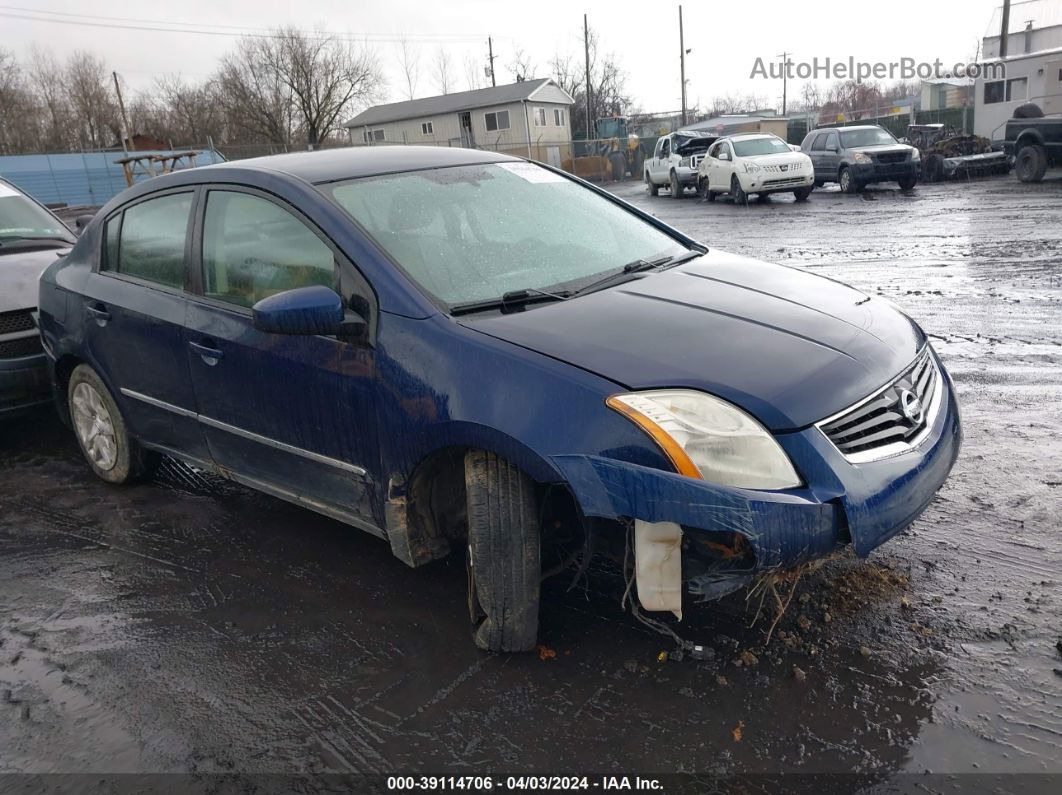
(159, 26)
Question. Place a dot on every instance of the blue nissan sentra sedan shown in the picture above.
(460, 350)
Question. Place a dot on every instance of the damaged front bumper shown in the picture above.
(842, 503)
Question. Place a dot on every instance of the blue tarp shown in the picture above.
(89, 178)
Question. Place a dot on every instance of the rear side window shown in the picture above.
(820, 142)
(152, 239)
(253, 248)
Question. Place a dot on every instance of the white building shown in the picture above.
(531, 118)
(1033, 65)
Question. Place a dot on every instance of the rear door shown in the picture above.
(296, 413)
(831, 156)
(816, 153)
(134, 306)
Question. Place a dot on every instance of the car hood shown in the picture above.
(789, 347)
(778, 159)
(694, 144)
(878, 149)
(20, 270)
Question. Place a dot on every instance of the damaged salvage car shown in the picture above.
(461, 351)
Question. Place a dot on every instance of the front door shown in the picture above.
(295, 413)
(468, 140)
(134, 309)
(1053, 87)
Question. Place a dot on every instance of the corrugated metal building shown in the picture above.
(89, 178)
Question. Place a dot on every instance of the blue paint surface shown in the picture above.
(788, 347)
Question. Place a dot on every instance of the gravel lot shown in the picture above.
(190, 625)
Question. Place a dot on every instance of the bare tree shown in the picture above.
(409, 60)
(92, 100)
(18, 117)
(442, 71)
(608, 83)
(46, 81)
(257, 100)
(521, 67)
(473, 72)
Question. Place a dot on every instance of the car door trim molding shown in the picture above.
(254, 437)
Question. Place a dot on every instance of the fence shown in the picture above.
(896, 123)
(76, 178)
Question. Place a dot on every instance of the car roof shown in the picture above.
(350, 162)
(752, 135)
(851, 127)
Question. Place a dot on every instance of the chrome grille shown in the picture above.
(887, 421)
(10, 322)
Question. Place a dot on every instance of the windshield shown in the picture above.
(875, 136)
(21, 218)
(760, 146)
(473, 233)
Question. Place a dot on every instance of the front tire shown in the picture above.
(676, 186)
(112, 454)
(907, 183)
(702, 190)
(504, 544)
(848, 183)
(801, 194)
(737, 193)
(1030, 164)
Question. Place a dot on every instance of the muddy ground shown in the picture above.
(190, 625)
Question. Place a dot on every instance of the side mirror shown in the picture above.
(304, 310)
(81, 222)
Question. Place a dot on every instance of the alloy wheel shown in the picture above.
(94, 426)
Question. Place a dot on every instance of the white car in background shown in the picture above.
(674, 162)
(758, 163)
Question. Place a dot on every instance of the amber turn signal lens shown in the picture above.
(683, 463)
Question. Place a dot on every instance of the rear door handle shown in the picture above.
(210, 355)
(99, 312)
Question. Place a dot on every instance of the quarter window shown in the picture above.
(253, 248)
(496, 120)
(427, 128)
(152, 239)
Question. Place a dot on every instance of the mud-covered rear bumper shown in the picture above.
(861, 504)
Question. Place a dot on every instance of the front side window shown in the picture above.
(820, 142)
(666, 151)
(497, 120)
(152, 239)
(540, 117)
(473, 233)
(871, 136)
(253, 248)
(831, 142)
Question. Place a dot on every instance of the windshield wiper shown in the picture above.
(511, 299)
(637, 266)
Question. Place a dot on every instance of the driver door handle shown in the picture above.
(210, 355)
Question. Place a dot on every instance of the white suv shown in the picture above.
(757, 163)
(675, 160)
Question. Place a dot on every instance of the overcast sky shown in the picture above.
(725, 37)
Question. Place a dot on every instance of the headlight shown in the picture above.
(859, 157)
(751, 168)
(915, 155)
(708, 438)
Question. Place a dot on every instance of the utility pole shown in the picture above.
(125, 119)
(491, 57)
(589, 104)
(1004, 29)
(785, 76)
(682, 67)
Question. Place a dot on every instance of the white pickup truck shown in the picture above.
(675, 160)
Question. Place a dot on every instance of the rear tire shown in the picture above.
(504, 543)
(651, 188)
(907, 183)
(702, 190)
(1030, 164)
(112, 454)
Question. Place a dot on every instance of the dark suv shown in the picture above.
(857, 156)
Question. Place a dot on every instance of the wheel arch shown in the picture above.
(1027, 137)
(424, 509)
